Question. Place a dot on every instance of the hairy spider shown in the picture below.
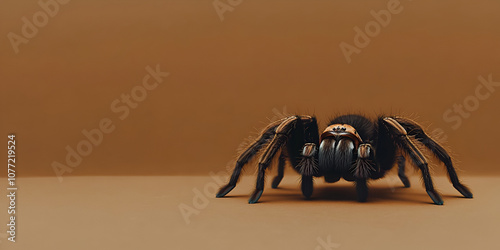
(352, 147)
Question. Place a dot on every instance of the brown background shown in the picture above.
(227, 79)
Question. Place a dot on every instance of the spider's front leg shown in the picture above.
(308, 167)
(304, 147)
(364, 167)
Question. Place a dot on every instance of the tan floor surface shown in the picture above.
(144, 213)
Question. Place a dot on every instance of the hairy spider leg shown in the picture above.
(401, 137)
(416, 130)
(401, 160)
(266, 135)
(280, 138)
(303, 150)
(298, 134)
(281, 171)
(362, 189)
(364, 165)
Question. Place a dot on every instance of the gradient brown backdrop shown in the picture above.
(228, 78)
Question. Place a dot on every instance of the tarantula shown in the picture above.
(352, 147)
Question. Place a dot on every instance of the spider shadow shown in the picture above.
(272, 192)
(454, 196)
(341, 193)
(347, 193)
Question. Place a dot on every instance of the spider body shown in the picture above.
(352, 147)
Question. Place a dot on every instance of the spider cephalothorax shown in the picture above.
(352, 147)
